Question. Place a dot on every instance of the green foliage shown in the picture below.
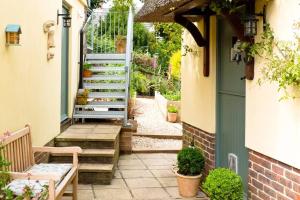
(172, 109)
(142, 38)
(140, 83)
(190, 161)
(173, 95)
(281, 60)
(175, 63)
(223, 184)
(170, 42)
(87, 66)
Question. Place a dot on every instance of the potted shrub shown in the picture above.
(121, 44)
(190, 163)
(223, 184)
(86, 70)
(82, 96)
(172, 113)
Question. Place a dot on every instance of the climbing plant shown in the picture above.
(281, 60)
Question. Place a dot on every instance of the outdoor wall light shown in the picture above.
(66, 19)
(12, 33)
(250, 23)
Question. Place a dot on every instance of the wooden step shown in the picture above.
(104, 156)
(96, 173)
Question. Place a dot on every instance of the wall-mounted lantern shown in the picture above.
(66, 19)
(13, 32)
(250, 23)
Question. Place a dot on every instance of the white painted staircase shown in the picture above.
(109, 85)
(107, 88)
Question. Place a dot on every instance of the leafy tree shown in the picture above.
(142, 38)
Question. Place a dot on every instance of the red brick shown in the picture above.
(252, 189)
(277, 169)
(264, 180)
(263, 195)
(296, 188)
(285, 182)
(269, 191)
(254, 197)
(277, 187)
(257, 184)
(252, 173)
(258, 168)
(290, 193)
(271, 175)
(282, 197)
(292, 176)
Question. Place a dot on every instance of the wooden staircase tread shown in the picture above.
(88, 167)
(91, 152)
(87, 137)
(90, 133)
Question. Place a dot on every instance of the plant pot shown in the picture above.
(121, 45)
(80, 100)
(188, 186)
(172, 117)
(87, 73)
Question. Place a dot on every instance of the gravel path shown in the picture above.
(146, 143)
(151, 121)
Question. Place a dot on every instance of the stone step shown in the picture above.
(96, 173)
(105, 156)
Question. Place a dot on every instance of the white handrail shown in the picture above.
(129, 49)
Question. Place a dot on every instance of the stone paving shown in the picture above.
(138, 177)
(151, 121)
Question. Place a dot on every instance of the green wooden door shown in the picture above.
(64, 70)
(231, 105)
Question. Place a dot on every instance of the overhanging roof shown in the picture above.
(165, 10)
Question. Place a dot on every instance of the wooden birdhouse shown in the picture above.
(13, 32)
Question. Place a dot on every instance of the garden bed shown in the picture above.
(163, 104)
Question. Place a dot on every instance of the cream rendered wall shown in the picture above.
(273, 126)
(30, 85)
(198, 99)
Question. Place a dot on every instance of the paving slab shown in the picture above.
(115, 184)
(136, 173)
(168, 181)
(162, 173)
(150, 193)
(111, 194)
(142, 183)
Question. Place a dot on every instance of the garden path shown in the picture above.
(154, 133)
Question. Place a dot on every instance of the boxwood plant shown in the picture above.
(190, 161)
(223, 184)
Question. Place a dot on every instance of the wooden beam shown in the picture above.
(206, 55)
(192, 28)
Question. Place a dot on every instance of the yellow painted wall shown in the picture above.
(198, 99)
(29, 84)
(273, 126)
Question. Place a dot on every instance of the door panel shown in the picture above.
(64, 70)
(231, 105)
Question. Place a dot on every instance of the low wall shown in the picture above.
(126, 137)
(163, 104)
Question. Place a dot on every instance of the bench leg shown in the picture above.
(75, 186)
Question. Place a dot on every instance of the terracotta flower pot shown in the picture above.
(172, 117)
(87, 73)
(188, 186)
(121, 45)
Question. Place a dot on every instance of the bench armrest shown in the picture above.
(34, 176)
(60, 150)
(57, 149)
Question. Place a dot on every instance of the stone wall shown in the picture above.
(270, 179)
(203, 140)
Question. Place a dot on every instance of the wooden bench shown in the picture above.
(18, 150)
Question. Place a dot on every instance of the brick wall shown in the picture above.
(43, 157)
(203, 140)
(270, 179)
(126, 137)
